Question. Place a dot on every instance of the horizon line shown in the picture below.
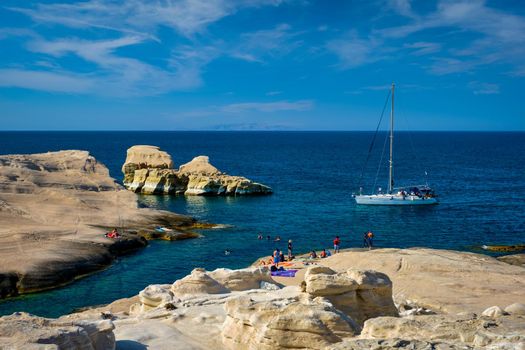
(256, 130)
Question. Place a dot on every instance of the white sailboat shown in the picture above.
(408, 195)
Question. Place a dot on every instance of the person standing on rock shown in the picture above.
(370, 236)
(366, 243)
(276, 256)
(290, 247)
(337, 244)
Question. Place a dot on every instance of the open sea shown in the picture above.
(479, 176)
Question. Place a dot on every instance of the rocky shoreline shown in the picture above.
(330, 306)
(54, 210)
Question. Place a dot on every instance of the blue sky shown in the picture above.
(261, 64)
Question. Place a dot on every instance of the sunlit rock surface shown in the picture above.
(197, 177)
(54, 210)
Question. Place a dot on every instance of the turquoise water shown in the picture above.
(479, 177)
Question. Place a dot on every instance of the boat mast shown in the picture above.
(391, 168)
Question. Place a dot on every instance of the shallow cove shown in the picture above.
(479, 177)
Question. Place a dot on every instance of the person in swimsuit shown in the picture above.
(337, 244)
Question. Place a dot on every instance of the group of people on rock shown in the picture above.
(279, 257)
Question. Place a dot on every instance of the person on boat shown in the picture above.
(323, 254)
(337, 243)
(277, 238)
(290, 247)
(370, 236)
(313, 254)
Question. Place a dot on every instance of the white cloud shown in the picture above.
(420, 48)
(273, 93)
(403, 7)
(499, 38)
(137, 23)
(47, 81)
(134, 16)
(502, 38)
(117, 75)
(255, 46)
(301, 105)
(354, 51)
(480, 88)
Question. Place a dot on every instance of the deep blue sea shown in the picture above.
(480, 179)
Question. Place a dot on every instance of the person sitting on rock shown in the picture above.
(269, 261)
(113, 234)
(313, 254)
(281, 257)
(323, 254)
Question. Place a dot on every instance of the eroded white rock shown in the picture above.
(493, 312)
(24, 331)
(516, 309)
(361, 294)
(285, 319)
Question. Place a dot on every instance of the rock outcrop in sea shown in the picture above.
(54, 210)
(339, 308)
(149, 170)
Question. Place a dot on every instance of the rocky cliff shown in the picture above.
(54, 210)
(149, 170)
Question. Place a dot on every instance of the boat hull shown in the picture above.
(393, 200)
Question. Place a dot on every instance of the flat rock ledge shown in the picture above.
(247, 309)
(149, 170)
(55, 208)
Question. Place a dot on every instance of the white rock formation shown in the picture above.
(516, 309)
(233, 309)
(299, 322)
(54, 210)
(493, 312)
(242, 279)
(149, 170)
(199, 165)
(361, 294)
(25, 331)
(197, 283)
(467, 331)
